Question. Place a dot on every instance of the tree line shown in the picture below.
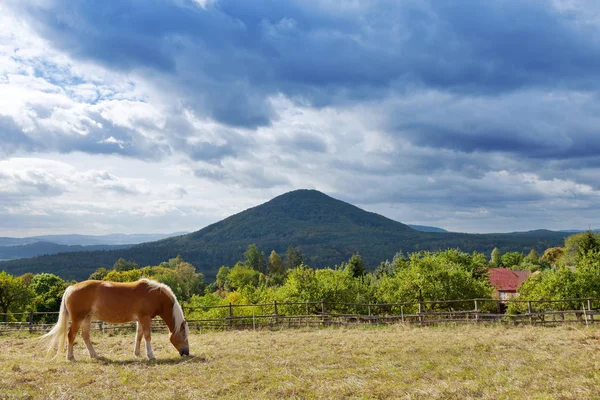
(569, 271)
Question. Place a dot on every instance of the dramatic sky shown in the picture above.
(167, 115)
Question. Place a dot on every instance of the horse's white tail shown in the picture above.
(58, 334)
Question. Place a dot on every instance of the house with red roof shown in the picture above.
(506, 281)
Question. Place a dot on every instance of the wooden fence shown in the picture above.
(324, 314)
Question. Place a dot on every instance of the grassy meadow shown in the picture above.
(364, 363)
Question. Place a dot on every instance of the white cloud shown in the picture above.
(100, 150)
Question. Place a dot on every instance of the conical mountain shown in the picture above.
(326, 230)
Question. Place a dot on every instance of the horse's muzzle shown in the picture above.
(184, 352)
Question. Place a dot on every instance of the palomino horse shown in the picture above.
(118, 303)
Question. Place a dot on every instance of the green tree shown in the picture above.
(99, 274)
(512, 259)
(174, 262)
(124, 265)
(123, 276)
(242, 275)
(293, 258)
(389, 268)
(590, 242)
(27, 278)
(48, 290)
(14, 294)
(355, 266)
(576, 246)
(300, 285)
(399, 261)
(223, 278)
(385, 268)
(496, 258)
(191, 281)
(275, 264)
(305, 284)
(533, 257)
(553, 255)
(434, 276)
(254, 258)
(276, 269)
(590, 262)
(559, 284)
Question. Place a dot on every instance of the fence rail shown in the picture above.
(298, 314)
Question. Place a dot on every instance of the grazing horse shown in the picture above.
(118, 303)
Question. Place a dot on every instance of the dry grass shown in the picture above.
(444, 362)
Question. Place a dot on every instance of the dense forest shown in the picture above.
(327, 232)
(568, 271)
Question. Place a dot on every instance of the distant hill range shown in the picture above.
(41, 248)
(572, 231)
(327, 231)
(14, 248)
(89, 240)
(424, 228)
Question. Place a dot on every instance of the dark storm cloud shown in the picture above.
(499, 45)
(228, 57)
(534, 124)
(471, 103)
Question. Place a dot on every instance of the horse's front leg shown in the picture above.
(138, 339)
(146, 325)
(86, 327)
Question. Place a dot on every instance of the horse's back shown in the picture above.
(112, 301)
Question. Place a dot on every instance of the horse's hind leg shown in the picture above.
(86, 328)
(138, 339)
(75, 324)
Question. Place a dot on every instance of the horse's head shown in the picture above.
(179, 339)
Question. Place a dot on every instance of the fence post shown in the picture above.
(421, 313)
(323, 311)
(30, 321)
(275, 312)
(476, 311)
(230, 315)
(589, 301)
(529, 312)
(307, 317)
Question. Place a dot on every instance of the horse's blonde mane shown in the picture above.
(178, 317)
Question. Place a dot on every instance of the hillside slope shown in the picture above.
(327, 231)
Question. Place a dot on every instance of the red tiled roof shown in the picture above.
(503, 279)
(522, 275)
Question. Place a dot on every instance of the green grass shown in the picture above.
(393, 362)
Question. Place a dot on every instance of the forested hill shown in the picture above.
(424, 228)
(327, 231)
